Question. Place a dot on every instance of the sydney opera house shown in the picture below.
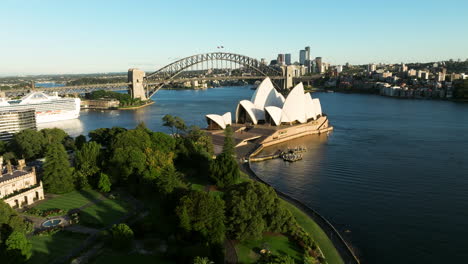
(271, 117)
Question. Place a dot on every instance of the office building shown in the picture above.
(302, 57)
(287, 58)
(281, 59)
(319, 63)
(307, 53)
(13, 121)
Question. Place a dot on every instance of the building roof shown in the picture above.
(294, 106)
(14, 174)
(221, 120)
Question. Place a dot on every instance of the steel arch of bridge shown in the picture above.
(167, 73)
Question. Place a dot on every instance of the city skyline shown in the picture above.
(88, 37)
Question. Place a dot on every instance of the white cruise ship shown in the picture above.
(48, 108)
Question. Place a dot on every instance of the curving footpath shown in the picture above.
(338, 241)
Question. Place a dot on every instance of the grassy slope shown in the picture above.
(331, 254)
(47, 248)
(104, 213)
(70, 200)
(247, 251)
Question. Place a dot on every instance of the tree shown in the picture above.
(250, 208)
(163, 142)
(11, 221)
(268, 258)
(28, 143)
(80, 141)
(167, 180)
(202, 213)
(17, 248)
(105, 136)
(57, 172)
(104, 184)
(170, 122)
(121, 236)
(180, 124)
(202, 260)
(228, 145)
(54, 135)
(3, 147)
(81, 181)
(224, 170)
(129, 154)
(87, 161)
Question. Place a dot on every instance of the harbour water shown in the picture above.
(392, 176)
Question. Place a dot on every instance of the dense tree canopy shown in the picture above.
(224, 170)
(13, 244)
(203, 213)
(17, 248)
(54, 135)
(104, 184)
(57, 172)
(87, 161)
(104, 136)
(253, 208)
(80, 141)
(29, 144)
(121, 236)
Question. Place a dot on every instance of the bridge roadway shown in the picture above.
(149, 83)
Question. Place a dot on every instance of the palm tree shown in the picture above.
(202, 260)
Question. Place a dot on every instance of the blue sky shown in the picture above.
(107, 36)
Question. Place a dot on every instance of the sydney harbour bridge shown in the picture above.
(214, 66)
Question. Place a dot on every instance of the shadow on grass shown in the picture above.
(104, 213)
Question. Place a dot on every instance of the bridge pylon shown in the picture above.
(136, 87)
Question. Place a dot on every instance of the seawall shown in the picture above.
(338, 241)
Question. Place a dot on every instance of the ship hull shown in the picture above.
(50, 111)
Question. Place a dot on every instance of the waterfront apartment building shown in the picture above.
(371, 67)
(425, 75)
(440, 77)
(13, 121)
(339, 69)
(19, 186)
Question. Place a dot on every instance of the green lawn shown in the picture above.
(69, 200)
(247, 252)
(45, 249)
(331, 254)
(104, 213)
(112, 257)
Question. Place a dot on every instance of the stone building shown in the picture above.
(19, 186)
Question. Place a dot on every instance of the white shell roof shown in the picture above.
(298, 106)
(317, 107)
(266, 95)
(222, 121)
(309, 105)
(253, 112)
(275, 114)
(294, 106)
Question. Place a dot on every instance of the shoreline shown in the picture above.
(340, 244)
(136, 107)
